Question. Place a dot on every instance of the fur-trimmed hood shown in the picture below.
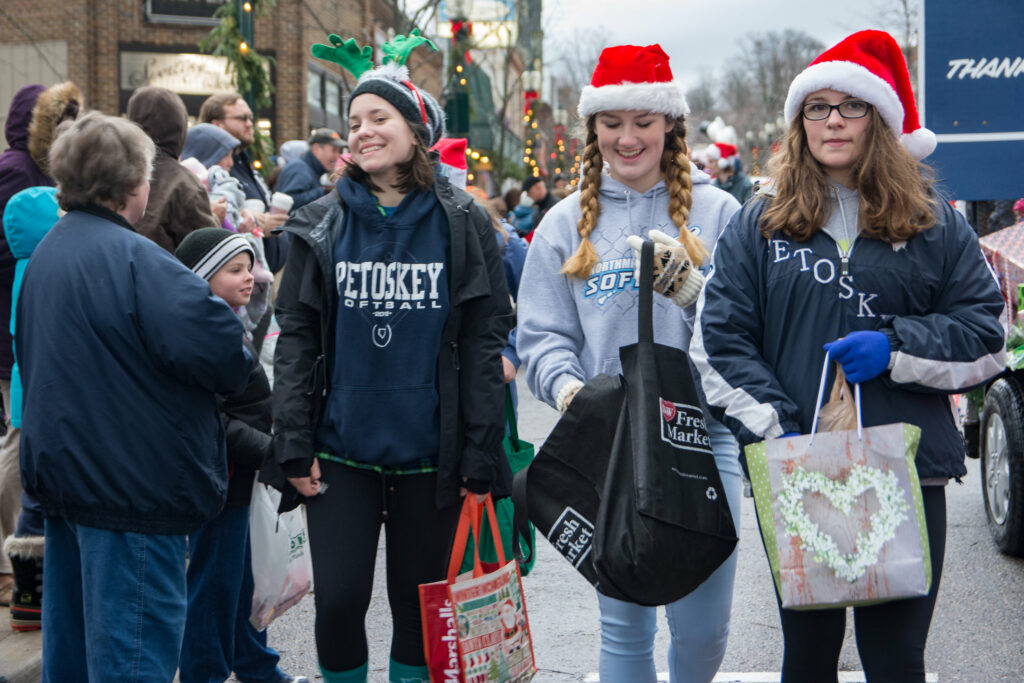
(56, 103)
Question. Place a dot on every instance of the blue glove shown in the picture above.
(789, 434)
(864, 355)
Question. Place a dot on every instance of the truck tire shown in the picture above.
(1002, 464)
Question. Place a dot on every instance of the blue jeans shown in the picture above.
(131, 586)
(699, 622)
(218, 636)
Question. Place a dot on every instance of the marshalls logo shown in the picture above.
(683, 427)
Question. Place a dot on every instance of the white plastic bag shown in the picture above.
(281, 566)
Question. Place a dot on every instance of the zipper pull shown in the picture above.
(844, 265)
(455, 355)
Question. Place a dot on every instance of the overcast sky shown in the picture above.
(700, 34)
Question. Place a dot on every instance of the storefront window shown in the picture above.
(313, 89)
(332, 98)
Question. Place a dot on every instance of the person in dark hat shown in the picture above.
(394, 302)
(218, 636)
(543, 199)
(302, 178)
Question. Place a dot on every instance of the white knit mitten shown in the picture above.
(674, 273)
(567, 393)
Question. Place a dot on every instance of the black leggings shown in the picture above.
(890, 637)
(344, 526)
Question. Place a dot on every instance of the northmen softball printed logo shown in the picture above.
(385, 292)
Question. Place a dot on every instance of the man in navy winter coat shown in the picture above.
(301, 178)
(122, 351)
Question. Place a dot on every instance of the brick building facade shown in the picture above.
(110, 47)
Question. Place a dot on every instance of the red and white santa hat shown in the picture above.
(722, 153)
(452, 153)
(868, 65)
(634, 78)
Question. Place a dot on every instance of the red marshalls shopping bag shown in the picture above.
(475, 628)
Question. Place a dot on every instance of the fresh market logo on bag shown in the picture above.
(683, 427)
(572, 534)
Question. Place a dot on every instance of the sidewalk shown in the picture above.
(20, 653)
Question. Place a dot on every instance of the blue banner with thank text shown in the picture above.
(972, 95)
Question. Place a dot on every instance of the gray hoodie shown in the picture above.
(572, 329)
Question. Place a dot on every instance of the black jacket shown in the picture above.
(470, 382)
(541, 208)
(247, 421)
(301, 180)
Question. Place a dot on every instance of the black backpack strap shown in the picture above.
(521, 518)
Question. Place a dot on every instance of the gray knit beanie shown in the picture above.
(391, 81)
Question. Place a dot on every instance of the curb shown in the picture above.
(21, 655)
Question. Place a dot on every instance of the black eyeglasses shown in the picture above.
(850, 109)
(248, 118)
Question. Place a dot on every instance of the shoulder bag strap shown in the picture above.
(645, 317)
(510, 419)
(521, 518)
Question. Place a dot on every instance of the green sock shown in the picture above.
(356, 675)
(404, 673)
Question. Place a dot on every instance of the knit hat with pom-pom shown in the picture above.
(391, 81)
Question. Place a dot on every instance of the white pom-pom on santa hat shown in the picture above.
(868, 65)
(633, 78)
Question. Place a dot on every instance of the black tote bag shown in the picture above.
(626, 485)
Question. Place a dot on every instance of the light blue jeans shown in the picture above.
(699, 622)
(115, 604)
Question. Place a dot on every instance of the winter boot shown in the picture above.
(26, 555)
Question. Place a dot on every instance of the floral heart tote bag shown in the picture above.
(841, 514)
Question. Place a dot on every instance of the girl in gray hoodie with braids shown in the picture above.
(578, 297)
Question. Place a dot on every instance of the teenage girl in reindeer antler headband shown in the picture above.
(388, 377)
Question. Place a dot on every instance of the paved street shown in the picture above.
(977, 634)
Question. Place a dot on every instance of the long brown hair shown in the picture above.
(896, 201)
(675, 166)
(415, 174)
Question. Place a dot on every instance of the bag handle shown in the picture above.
(470, 519)
(821, 395)
(510, 419)
(645, 317)
(461, 538)
(521, 518)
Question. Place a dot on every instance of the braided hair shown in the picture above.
(675, 166)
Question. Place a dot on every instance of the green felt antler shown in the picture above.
(398, 50)
(356, 60)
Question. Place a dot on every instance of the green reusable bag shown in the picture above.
(520, 454)
(830, 543)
